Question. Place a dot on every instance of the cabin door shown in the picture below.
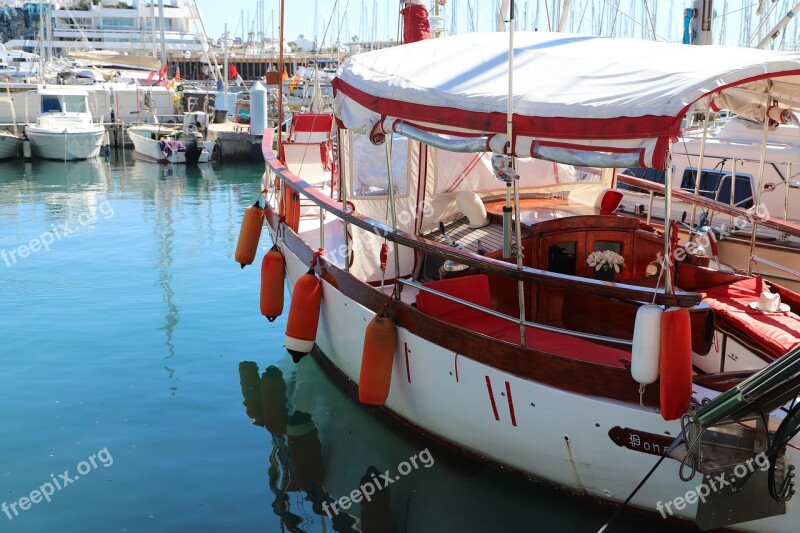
(563, 253)
(566, 253)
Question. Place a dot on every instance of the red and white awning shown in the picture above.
(577, 99)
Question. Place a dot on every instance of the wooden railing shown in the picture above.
(788, 228)
(493, 266)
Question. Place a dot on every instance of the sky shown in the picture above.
(354, 17)
(737, 24)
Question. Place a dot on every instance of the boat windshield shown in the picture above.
(50, 104)
(73, 103)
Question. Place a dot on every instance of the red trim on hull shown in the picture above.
(491, 397)
(511, 404)
(408, 367)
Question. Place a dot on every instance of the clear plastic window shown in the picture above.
(369, 172)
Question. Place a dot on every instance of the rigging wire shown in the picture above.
(667, 451)
(618, 11)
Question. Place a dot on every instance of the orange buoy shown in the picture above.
(676, 363)
(273, 401)
(376, 360)
(272, 271)
(301, 327)
(249, 234)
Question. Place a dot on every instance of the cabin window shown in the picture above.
(50, 103)
(75, 104)
(561, 258)
(717, 186)
(602, 246)
(370, 176)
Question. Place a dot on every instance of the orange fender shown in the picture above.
(301, 327)
(676, 363)
(272, 273)
(376, 361)
(249, 234)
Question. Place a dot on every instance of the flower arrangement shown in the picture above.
(606, 260)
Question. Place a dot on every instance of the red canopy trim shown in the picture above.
(645, 127)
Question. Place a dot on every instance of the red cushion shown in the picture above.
(776, 333)
(474, 289)
(314, 122)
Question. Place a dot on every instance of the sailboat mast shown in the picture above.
(163, 40)
(42, 54)
(280, 77)
(775, 31)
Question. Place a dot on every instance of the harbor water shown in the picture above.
(143, 391)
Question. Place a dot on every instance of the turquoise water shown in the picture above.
(126, 327)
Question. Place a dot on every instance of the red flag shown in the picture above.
(232, 72)
(151, 76)
(162, 73)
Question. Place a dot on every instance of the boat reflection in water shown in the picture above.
(326, 446)
(296, 457)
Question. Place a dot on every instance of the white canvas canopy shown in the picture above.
(578, 99)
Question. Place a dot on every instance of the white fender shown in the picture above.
(646, 353)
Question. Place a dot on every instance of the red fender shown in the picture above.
(676, 363)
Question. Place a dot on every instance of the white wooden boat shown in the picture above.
(539, 367)
(10, 145)
(165, 143)
(64, 129)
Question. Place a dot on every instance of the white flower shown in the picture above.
(606, 260)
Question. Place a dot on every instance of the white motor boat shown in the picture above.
(64, 128)
(165, 143)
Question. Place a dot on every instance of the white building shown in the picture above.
(135, 30)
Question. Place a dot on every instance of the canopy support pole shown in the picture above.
(513, 177)
(669, 260)
(699, 172)
(393, 212)
(760, 184)
(343, 197)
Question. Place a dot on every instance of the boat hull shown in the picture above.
(10, 146)
(66, 144)
(150, 150)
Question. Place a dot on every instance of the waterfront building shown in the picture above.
(129, 27)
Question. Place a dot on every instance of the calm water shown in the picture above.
(132, 348)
